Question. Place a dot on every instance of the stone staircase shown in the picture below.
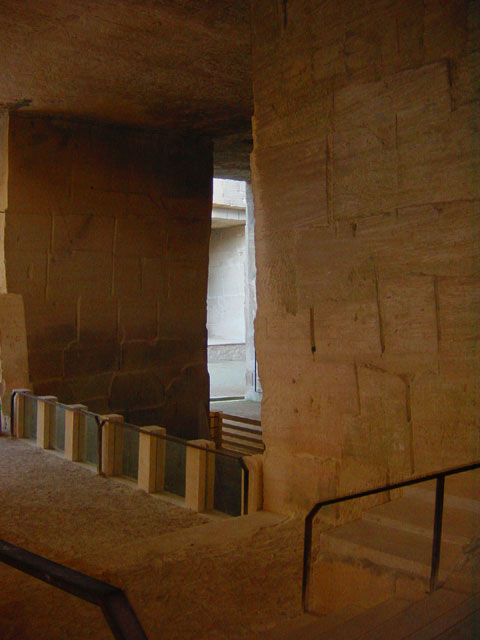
(446, 614)
(370, 577)
(387, 552)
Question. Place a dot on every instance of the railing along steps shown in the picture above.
(387, 552)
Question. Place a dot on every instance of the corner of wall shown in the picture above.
(4, 122)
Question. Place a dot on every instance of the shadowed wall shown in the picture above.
(107, 235)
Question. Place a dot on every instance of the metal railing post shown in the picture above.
(307, 555)
(437, 532)
(17, 412)
(100, 424)
(12, 414)
(245, 486)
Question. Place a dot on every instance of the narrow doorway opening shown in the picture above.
(231, 297)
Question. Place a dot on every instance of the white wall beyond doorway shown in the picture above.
(226, 286)
(226, 291)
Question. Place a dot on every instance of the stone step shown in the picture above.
(395, 619)
(389, 547)
(414, 516)
(349, 623)
(306, 625)
(453, 501)
(461, 492)
(427, 619)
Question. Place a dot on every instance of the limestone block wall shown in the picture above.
(4, 120)
(107, 236)
(366, 184)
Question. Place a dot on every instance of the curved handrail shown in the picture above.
(437, 528)
(114, 603)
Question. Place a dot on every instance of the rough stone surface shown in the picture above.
(107, 236)
(4, 120)
(13, 346)
(174, 65)
(163, 65)
(365, 176)
(247, 570)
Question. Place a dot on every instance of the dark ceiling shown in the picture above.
(164, 64)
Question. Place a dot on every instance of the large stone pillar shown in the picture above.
(13, 342)
(367, 198)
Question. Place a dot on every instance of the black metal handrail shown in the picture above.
(101, 421)
(439, 476)
(113, 602)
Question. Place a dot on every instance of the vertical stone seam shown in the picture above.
(381, 328)
(70, 178)
(142, 272)
(329, 177)
(357, 384)
(437, 312)
(4, 142)
(158, 312)
(344, 50)
(397, 157)
(410, 437)
(52, 233)
(281, 11)
(450, 73)
(313, 346)
(408, 400)
(78, 317)
(47, 275)
(408, 413)
(49, 256)
(118, 336)
(114, 245)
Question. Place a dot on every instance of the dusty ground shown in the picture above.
(186, 576)
(50, 505)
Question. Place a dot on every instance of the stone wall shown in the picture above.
(107, 237)
(4, 121)
(226, 286)
(366, 184)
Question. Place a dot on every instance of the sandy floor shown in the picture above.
(186, 576)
